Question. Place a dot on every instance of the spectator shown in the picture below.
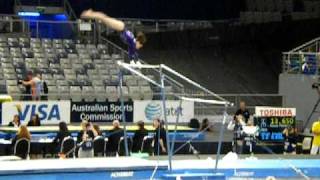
(205, 125)
(160, 138)
(290, 134)
(22, 133)
(138, 136)
(27, 96)
(15, 122)
(45, 91)
(238, 134)
(36, 86)
(316, 137)
(63, 132)
(194, 123)
(35, 121)
(96, 130)
(85, 140)
(243, 111)
(113, 140)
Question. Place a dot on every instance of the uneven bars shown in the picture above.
(148, 66)
(206, 101)
(142, 66)
(125, 65)
(194, 83)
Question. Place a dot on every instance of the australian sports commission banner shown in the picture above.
(50, 112)
(150, 110)
(100, 111)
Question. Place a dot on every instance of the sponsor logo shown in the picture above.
(44, 111)
(153, 111)
(121, 174)
(50, 112)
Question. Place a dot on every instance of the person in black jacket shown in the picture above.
(160, 138)
(15, 122)
(63, 132)
(114, 137)
(35, 121)
(243, 111)
(138, 137)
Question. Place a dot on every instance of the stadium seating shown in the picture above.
(71, 68)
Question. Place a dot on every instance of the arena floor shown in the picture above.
(282, 167)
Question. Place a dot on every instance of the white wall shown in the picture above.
(297, 92)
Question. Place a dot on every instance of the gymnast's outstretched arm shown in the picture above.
(111, 22)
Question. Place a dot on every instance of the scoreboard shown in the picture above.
(272, 121)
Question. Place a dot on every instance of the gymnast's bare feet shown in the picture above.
(87, 14)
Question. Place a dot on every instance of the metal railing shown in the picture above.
(303, 59)
(45, 28)
(153, 25)
(68, 10)
(43, 3)
(300, 63)
(310, 46)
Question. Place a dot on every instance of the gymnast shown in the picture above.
(133, 43)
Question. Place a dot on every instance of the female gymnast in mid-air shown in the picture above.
(134, 43)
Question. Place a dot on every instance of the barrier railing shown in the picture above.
(300, 63)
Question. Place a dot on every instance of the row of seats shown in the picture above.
(250, 17)
(99, 93)
(22, 148)
(71, 69)
(270, 5)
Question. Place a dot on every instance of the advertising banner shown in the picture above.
(149, 110)
(50, 112)
(100, 111)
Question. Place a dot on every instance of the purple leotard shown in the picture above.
(128, 38)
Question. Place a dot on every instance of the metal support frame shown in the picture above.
(221, 137)
(123, 113)
(176, 128)
(163, 94)
(170, 148)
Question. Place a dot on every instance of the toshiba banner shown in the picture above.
(262, 111)
(50, 112)
(150, 110)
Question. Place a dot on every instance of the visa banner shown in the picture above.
(50, 112)
(148, 110)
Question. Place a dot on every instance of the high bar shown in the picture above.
(206, 101)
(193, 83)
(142, 66)
(125, 65)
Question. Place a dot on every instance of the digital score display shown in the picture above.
(272, 121)
(271, 128)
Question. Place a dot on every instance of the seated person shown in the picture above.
(236, 126)
(291, 136)
(138, 137)
(96, 130)
(35, 121)
(250, 134)
(63, 132)
(159, 142)
(85, 140)
(15, 122)
(114, 137)
(205, 125)
(22, 133)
